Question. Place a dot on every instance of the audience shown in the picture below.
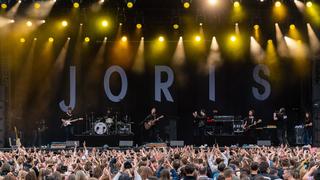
(185, 163)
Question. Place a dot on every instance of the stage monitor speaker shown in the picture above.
(58, 145)
(72, 143)
(176, 143)
(264, 143)
(125, 143)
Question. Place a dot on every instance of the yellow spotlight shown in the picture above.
(124, 38)
(161, 38)
(186, 5)
(139, 26)
(120, 24)
(64, 23)
(36, 5)
(130, 4)
(198, 38)
(292, 26)
(104, 23)
(29, 23)
(269, 41)
(22, 40)
(256, 27)
(50, 39)
(233, 38)
(200, 24)
(86, 39)
(278, 4)
(309, 4)
(4, 6)
(76, 5)
(213, 2)
(176, 26)
(236, 4)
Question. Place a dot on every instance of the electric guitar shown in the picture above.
(67, 122)
(149, 124)
(18, 142)
(251, 125)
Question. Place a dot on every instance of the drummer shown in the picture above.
(109, 116)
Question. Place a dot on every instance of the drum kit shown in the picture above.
(110, 124)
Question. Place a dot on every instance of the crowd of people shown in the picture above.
(187, 163)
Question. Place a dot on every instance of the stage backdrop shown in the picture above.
(131, 79)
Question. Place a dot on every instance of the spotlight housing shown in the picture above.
(86, 39)
(124, 38)
(236, 4)
(277, 4)
(175, 26)
(4, 6)
(130, 4)
(64, 23)
(161, 38)
(50, 39)
(36, 5)
(104, 23)
(22, 40)
(76, 5)
(29, 23)
(309, 4)
(139, 26)
(186, 5)
(256, 27)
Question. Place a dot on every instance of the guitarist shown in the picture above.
(69, 127)
(150, 127)
(250, 124)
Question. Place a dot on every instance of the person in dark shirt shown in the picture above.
(199, 126)
(308, 128)
(68, 127)
(250, 127)
(282, 125)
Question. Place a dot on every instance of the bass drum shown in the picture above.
(100, 128)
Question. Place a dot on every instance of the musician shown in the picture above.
(307, 128)
(199, 125)
(281, 119)
(68, 128)
(150, 127)
(250, 124)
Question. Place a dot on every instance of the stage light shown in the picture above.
(213, 2)
(43, 21)
(233, 38)
(277, 3)
(50, 39)
(22, 40)
(161, 38)
(186, 5)
(36, 5)
(101, 1)
(309, 4)
(292, 27)
(76, 5)
(104, 23)
(64, 23)
(176, 26)
(200, 24)
(120, 24)
(256, 27)
(4, 6)
(68, 38)
(34, 39)
(198, 38)
(124, 38)
(12, 21)
(269, 41)
(29, 23)
(130, 4)
(86, 39)
(139, 26)
(261, 0)
(81, 24)
(236, 4)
